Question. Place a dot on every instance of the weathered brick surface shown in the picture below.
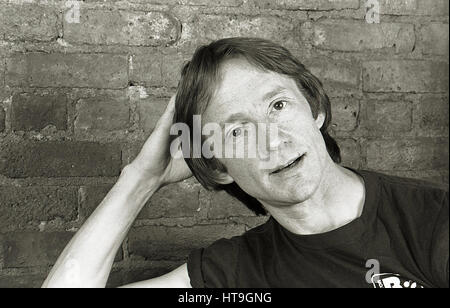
(414, 7)
(2, 119)
(59, 159)
(338, 76)
(345, 113)
(106, 111)
(101, 27)
(206, 28)
(150, 110)
(433, 8)
(175, 243)
(122, 277)
(67, 70)
(22, 281)
(20, 206)
(28, 22)
(36, 111)
(27, 249)
(360, 36)
(350, 152)
(406, 154)
(231, 3)
(388, 117)
(146, 68)
(405, 76)
(222, 205)
(432, 115)
(176, 200)
(434, 39)
(307, 5)
(153, 68)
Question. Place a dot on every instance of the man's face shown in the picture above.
(248, 96)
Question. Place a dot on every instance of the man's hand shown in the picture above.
(155, 160)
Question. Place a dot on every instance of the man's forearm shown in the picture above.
(87, 259)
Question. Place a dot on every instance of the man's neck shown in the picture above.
(338, 201)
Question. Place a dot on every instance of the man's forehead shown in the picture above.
(243, 84)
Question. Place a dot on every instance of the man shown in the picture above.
(327, 222)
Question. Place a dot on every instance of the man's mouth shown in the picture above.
(289, 165)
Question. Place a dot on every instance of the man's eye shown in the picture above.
(279, 105)
(236, 132)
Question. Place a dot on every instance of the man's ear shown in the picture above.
(320, 119)
(223, 178)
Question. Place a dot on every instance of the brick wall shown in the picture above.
(77, 100)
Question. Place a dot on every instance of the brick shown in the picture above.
(432, 115)
(28, 22)
(337, 76)
(20, 206)
(388, 116)
(2, 119)
(171, 67)
(91, 198)
(29, 249)
(206, 28)
(434, 39)
(361, 36)
(226, 3)
(414, 7)
(155, 69)
(150, 110)
(175, 243)
(345, 113)
(122, 277)
(414, 154)
(320, 5)
(67, 70)
(118, 27)
(405, 76)
(22, 281)
(59, 159)
(176, 200)
(432, 7)
(146, 68)
(398, 7)
(108, 111)
(36, 111)
(223, 206)
(350, 152)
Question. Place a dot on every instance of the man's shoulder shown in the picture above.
(408, 184)
(409, 193)
(235, 243)
(412, 183)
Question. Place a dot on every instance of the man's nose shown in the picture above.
(273, 137)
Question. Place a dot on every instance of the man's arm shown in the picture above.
(178, 278)
(87, 259)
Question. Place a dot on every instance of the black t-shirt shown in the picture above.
(401, 239)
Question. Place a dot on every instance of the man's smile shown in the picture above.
(291, 164)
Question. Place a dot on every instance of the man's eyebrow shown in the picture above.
(238, 116)
(273, 93)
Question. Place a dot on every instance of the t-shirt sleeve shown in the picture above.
(440, 246)
(214, 266)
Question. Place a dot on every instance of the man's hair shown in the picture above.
(200, 78)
